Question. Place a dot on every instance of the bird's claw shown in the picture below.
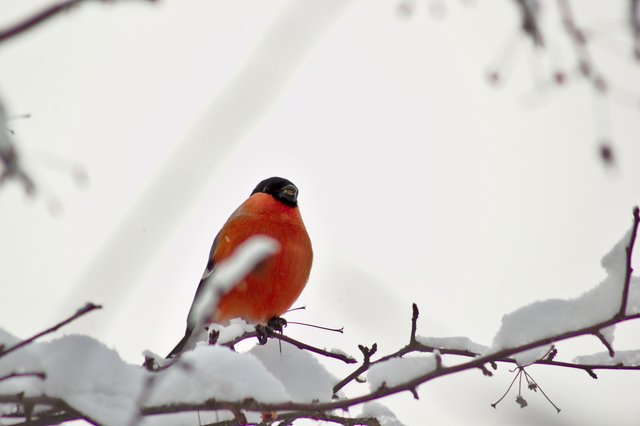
(275, 324)
(263, 333)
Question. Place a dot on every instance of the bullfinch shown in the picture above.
(274, 284)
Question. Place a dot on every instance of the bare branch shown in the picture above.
(80, 312)
(537, 386)
(61, 411)
(289, 418)
(495, 404)
(605, 342)
(39, 18)
(415, 313)
(577, 35)
(367, 353)
(629, 269)
(300, 345)
(39, 374)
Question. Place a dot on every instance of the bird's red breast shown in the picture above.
(275, 284)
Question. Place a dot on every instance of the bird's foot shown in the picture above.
(275, 324)
(263, 332)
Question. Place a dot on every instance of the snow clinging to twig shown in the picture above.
(552, 317)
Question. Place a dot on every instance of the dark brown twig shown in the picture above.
(80, 312)
(300, 345)
(63, 412)
(415, 313)
(54, 419)
(629, 269)
(537, 386)
(605, 342)
(39, 374)
(579, 39)
(288, 418)
(39, 18)
(367, 353)
(518, 374)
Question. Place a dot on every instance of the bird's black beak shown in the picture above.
(289, 194)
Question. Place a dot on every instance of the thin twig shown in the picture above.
(38, 18)
(576, 34)
(629, 269)
(326, 417)
(605, 342)
(415, 313)
(337, 330)
(55, 419)
(495, 404)
(80, 312)
(39, 374)
(543, 393)
(301, 345)
(367, 353)
(64, 411)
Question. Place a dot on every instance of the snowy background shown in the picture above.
(419, 181)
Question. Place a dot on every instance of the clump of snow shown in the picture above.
(7, 339)
(459, 343)
(83, 372)
(628, 358)
(304, 378)
(236, 328)
(385, 416)
(551, 317)
(216, 372)
(396, 371)
(337, 351)
(157, 360)
(96, 382)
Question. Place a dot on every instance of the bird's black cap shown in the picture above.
(281, 189)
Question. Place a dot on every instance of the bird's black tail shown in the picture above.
(180, 346)
(189, 331)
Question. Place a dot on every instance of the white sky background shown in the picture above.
(419, 182)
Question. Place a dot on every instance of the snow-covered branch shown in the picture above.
(76, 377)
(526, 333)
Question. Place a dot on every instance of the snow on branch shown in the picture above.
(526, 333)
(77, 377)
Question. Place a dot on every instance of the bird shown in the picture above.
(270, 289)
